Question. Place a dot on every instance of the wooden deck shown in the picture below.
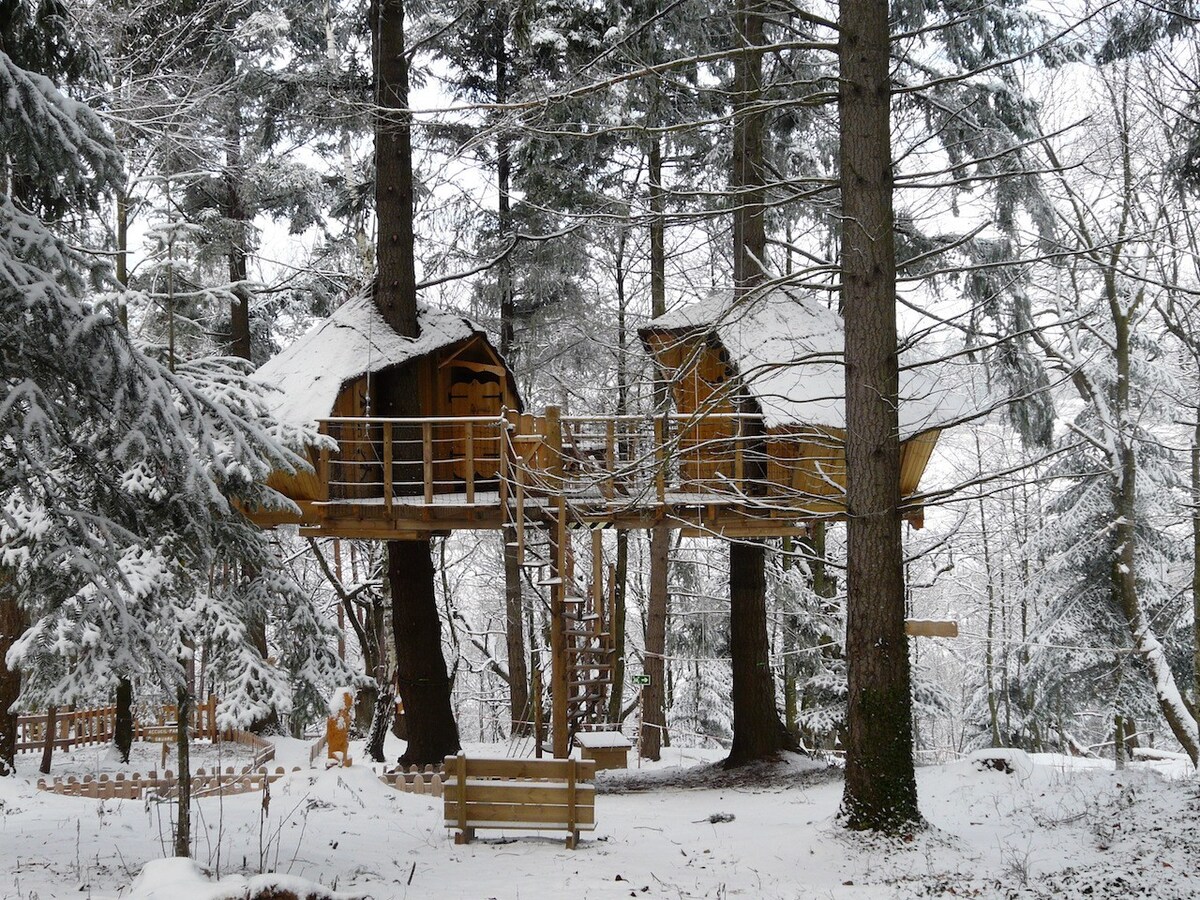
(410, 478)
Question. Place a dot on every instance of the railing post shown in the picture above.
(387, 469)
(610, 453)
(660, 460)
(469, 462)
(427, 459)
(739, 460)
(323, 463)
(505, 429)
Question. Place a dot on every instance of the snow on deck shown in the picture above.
(788, 348)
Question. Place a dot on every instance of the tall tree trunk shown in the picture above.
(122, 263)
(183, 823)
(880, 790)
(1182, 722)
(123, 726)
(518, 675)
(421, 676)
(236, 213)
(621, 569)
(397, 283)
(48, 740)
(12, 626)
(758, 732)
(654, 714)
(421, 668)
(514, 601)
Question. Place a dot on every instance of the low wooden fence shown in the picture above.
(164, 786)
(317, 750)
(415, 780)
(86, 727)
(264, 750)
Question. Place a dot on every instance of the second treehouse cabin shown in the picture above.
(758, 386)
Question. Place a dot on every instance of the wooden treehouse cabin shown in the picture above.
(754, 449)
(758, 387)
(345, 375)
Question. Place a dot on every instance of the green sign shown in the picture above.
(641, 679)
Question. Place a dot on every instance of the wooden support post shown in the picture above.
(539, 723)
(341, 607)
(572, 780)
(504, 431)
(558, 588)
(519, 514)
(610, 456)
(464, 834)
(598, 579)
(387, 468)
(610, 616)
(427, 459)
(469, 462)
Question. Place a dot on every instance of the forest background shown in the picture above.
(202, 173)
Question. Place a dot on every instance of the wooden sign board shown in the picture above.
(931, 628)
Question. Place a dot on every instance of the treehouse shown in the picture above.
(758, 387)
(347, 375)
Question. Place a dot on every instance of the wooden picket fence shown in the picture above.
(164, 786)
(264, 750)
(77, 728)
(415, 780)
(85, 727)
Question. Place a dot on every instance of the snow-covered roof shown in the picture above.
(787, 349)
(350, 343)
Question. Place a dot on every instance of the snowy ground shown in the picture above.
(1053, 828)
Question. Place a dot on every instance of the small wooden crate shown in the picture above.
(608, 749)
(519, 795)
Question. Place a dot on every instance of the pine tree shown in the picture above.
(121, 470)
(421, 667)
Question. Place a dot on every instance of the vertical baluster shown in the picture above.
(427, 458)
(387, 469)
(469, 462)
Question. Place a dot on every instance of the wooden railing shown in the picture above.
(86, 727)
(716, 458)
(385, 459)
(417, 460)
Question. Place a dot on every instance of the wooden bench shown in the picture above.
(519, 794)
(608, 749)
